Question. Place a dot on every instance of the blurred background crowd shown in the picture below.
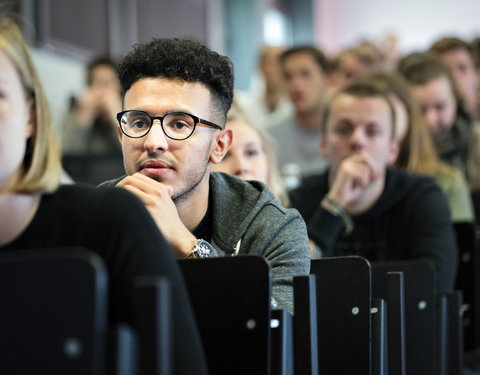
(289, 57)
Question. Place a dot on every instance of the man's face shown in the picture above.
(460, 63)
(104, 78)
(355, 125)
(183, 165)
(437, 102)
(304, 80)
(350, 69)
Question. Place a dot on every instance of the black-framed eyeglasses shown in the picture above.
(175, 125)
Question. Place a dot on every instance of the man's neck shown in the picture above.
(192, 209)
(310, 120)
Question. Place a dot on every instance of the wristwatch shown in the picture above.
(201, 249)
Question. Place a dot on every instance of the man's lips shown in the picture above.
(296, 97)
(157, 164)
(156, 169)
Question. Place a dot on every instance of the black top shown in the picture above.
(410, 220)
(114, 224)
(204, 228)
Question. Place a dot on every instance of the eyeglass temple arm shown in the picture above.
(209, 125)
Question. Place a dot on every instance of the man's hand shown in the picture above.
(157, 199)
(353, 178)
(87, 108)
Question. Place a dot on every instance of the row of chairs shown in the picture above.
(468, 281)
(54, 318)
(351, 316)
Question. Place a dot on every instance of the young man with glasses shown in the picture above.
(176, 94)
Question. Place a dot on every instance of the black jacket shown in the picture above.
(410, 220)
(115, 224)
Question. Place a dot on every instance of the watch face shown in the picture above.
(203, 248)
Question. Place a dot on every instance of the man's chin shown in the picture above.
(157, 174)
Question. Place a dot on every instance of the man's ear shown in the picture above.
(393, 152)
(222, 142)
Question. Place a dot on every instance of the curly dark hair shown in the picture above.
(184, 59)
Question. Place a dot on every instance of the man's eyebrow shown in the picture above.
(143, 109)
(344, 121)
(374, 123)
(253, 143)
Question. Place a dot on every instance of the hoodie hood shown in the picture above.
(245, 198)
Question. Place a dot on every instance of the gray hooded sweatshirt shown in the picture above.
(248, 220)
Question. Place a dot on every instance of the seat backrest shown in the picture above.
(53, 314)
(93, 169)
(231, 300)
(393, 295)
(419, 298)
(468, 281)
(476, 204)
(380, 347)
(153, 311)
(449, 333)
(343, 287)
(305, 332)
(282, 348)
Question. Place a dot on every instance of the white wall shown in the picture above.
(338, 23)
(417, 23)
(61, 77)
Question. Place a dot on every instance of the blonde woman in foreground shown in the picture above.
(37, 213)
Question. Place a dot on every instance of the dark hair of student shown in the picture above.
(182, 59)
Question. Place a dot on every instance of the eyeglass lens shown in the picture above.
(175, 125)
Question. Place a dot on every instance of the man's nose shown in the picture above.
(358, 138)
(156, 140)
(295, 82)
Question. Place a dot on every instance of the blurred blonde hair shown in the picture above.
(417, 153)
(365, 52)
(275, 182)
(41, 165)
(420, 68)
